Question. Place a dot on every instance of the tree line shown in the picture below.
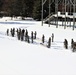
(31, 8)
(24, 8)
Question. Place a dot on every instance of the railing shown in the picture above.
(47, 18)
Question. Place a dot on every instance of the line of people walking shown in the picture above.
(22, 35)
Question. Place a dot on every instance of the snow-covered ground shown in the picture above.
(22, 58)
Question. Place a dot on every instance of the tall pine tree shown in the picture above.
(1, 3)
(37, 9)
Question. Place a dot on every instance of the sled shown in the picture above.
(43, 44)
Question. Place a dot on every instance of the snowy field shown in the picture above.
(22, 58)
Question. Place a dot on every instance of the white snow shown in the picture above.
(22, 58)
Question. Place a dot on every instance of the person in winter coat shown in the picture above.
(49, 43)
(32, 36)
(52, 37)
(43, 38)
(72, 41)
(7, 32)
(26, 35)
(35, 35)
(66, 43)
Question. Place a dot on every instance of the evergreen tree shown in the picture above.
(17, 7)
(37, 10)
(26, 8)
(29, 8)
(1, 3)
